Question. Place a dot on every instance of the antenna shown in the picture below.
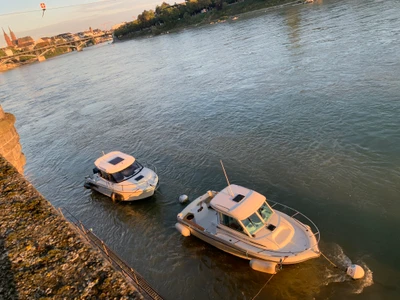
(227, 180)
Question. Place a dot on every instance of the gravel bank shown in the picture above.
(41, 254)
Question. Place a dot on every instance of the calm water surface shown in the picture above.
(301, 103)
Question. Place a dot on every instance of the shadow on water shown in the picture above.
(7, 284)
(125, 214)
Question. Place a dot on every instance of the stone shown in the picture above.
(10, 147)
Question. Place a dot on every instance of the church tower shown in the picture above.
(13, 37)
(7, 38)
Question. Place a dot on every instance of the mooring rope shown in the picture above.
(280, 268)
(263, 287)
(328, 260)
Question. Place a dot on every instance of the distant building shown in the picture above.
(46, 39)
(43, 42)
(7, 39)
(11, 42)
(66, 36)
(7, 51)
(88, 33)
(81, 35)
(26, 42)
(13, 37)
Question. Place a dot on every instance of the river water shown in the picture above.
(301, 103)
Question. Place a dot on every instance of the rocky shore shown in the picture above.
(42, 256)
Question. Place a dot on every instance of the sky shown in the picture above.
(24, 17)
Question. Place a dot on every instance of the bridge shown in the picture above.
(39, 53)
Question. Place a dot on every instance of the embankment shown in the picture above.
(43, 256)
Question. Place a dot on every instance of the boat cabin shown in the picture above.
(117, 167)
(242, 209)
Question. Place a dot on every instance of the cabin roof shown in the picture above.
(239, 207)
(114, 161)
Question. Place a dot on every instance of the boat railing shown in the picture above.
(302, 219)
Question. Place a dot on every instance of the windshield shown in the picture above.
(265, 212)
(230, 222)
(127, 173)
(253, 223)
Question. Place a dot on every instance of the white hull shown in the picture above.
(125, 196)
(204, 225)
(129, 190)
(225, 246)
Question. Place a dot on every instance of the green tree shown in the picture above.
(146, 18)
(160, 8)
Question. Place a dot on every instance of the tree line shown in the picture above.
(168, 16)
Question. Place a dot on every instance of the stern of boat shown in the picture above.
(197, 215)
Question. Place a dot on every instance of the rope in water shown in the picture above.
(328, 260)
(263, 287)
(281, 263)
(280, 268)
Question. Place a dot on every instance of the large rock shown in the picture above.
(10, 147)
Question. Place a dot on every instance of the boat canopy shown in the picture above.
(114, 161)
(241, 205)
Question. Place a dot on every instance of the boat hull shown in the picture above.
(201, 219)
(225, 246)
(116, 195)
(122, 192)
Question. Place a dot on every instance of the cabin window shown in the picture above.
(230, 222)
(118, 177)
(253, 223)
(128, 172)
(110, 178)
(265, 212)
(107, 176)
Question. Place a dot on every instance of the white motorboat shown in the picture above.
(240, 221)
(121, 177)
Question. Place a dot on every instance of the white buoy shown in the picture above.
(264, 266)
(355, 271)
(182, 229)
(183, 198)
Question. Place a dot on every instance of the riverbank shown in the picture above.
(10, 66)
(42, 255)
(52, 54)
(228, 12)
